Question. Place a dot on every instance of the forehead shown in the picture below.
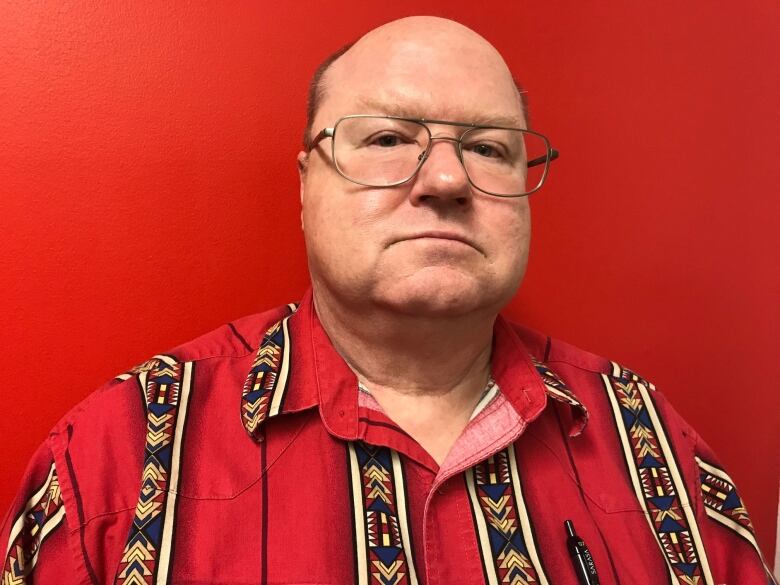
(451, 111)
(430, 78)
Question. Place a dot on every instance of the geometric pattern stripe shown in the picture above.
(720, 495)
(656, 477)
(504, 532)
(723, 504)
(42, 513)
(146, 366)
(383, 544)
(146, 559)
(266, 383)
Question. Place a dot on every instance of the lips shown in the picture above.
(439, 235)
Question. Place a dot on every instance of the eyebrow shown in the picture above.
(374, 105)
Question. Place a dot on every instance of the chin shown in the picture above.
(443, 295)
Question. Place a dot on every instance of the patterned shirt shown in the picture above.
(250, 456)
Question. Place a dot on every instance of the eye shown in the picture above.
(485, 150)
(386, 140)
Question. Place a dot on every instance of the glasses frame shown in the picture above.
(330, 132)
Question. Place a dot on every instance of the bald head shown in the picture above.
(419, 33)
(417, 51)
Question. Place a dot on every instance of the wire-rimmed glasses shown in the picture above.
(386, 151)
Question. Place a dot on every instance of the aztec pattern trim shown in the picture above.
(148, 553)
(504, 532)
(383, 543)
(558, 389)
(147, 366)
(723, 504)
(42, 513)
(656, 477)
(266, 384)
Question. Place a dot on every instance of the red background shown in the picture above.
(148, 193)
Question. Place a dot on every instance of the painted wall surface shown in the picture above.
(148, 193)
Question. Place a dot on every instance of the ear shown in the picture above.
(303, 161)
(303, 164)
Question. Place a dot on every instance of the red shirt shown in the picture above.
(250, 456)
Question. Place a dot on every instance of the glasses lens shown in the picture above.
(505, 162)
(378, 151)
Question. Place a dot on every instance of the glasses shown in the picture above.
(386, 151)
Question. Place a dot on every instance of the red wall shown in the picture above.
(148, 193)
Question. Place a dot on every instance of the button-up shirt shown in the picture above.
(250, 455)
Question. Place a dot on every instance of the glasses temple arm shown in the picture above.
(322, 135)
(543, 159)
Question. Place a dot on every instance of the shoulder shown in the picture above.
(120, 397)
(594, 379)
(101, 441)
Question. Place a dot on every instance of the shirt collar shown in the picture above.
(296, 368)
(558, 390)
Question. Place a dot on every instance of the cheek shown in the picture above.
(362, 210)
(336, 211)
(343, 220)
(510, 231)
(523, 229)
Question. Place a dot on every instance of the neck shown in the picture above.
(410, 354)
(426, 372)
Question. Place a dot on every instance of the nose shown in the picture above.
(441, 177)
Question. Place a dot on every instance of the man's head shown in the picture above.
(434, 246)
(317, 93)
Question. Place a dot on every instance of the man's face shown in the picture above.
(434, 246)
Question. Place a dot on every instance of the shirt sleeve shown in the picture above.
(34, 534)
(727, 531)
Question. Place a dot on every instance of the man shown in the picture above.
(391, 428)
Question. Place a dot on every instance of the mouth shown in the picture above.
(440, 235)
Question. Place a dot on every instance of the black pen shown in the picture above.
(580, 557)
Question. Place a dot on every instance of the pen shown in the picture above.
(581, 558)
